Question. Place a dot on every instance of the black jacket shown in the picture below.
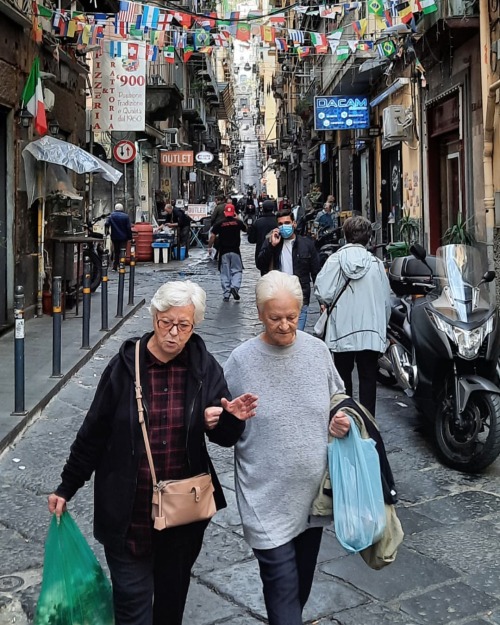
(110, 440)
(258, 231)
(305, 257)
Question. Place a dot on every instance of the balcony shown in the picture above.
(163, 89)
(17, 10)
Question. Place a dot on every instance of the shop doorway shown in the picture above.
(391, 194)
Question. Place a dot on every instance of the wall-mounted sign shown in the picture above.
(341, 112)
(204, 157)
(323, 153)
(119, 89)
(176, 158)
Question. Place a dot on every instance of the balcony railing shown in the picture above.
(162, 74)
(17, 10)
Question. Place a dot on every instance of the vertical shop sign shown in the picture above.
(119, 89)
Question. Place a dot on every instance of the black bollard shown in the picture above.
(19, 351)
(56, 327)
(121, 282)
(86, 303)
(131, 277)
(104, 291)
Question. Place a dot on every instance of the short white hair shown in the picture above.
(179, 294)
(118, 207)
(271, 284)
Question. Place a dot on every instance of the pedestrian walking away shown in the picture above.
(291, 253)
(357, 325)
(294, 376)
(228, 233)
(185, 396)
(121, 231)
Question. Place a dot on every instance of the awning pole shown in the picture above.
(41, 263)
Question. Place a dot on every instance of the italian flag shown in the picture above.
(32, 98)
(426, 6)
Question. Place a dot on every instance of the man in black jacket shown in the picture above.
(185, 397)
(292, 253)
(261, 228)
(121, 231)
(178, 218)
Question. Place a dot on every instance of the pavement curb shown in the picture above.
(25, 420)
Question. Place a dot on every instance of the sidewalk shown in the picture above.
(40, 387)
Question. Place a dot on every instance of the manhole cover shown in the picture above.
(10, 582)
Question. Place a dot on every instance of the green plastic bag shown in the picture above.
(75, 590)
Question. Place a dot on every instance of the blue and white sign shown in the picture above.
(336, 112)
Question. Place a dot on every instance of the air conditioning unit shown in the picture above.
(172, 138)
(398, 123)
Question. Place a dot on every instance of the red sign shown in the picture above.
(177, 158)
(124, 151)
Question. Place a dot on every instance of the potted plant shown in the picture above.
(303, 108)
(459, 233)
(408, 231)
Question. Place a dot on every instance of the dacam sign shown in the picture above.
(337, 112)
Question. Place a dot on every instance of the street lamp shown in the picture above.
(54, 127)
(25, 117)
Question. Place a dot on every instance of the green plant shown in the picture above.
(408, 229)
(303, 106)
(459, 233)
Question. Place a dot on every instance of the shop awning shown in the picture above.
(217, 174)
(64, 154)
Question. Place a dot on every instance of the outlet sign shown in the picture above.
(176, 158)
(204, 157)
(336, 112)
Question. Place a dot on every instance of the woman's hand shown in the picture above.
(339, 425)
(242, 407)
(56, 504)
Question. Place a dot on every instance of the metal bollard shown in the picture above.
(121, 282)
(131, 277)
(19, 351)
(56, 327)
(104, 291)
(86, 303)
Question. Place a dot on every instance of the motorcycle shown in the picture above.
(443, 349)
(328, 241)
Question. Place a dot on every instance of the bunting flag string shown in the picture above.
(193, 32)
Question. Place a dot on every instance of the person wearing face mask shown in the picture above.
(293, 254)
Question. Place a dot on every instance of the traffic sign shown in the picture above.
(125, 151)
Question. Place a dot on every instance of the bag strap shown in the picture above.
(140, 409)
(330, 308)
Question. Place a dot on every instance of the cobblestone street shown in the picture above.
(447, 571)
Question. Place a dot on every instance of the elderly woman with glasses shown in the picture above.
(281, 456)
(185, 397)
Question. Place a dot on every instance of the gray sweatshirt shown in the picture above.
(281, 457)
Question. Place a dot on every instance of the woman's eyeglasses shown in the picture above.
(183, 327)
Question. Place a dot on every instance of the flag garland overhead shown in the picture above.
(183, 30)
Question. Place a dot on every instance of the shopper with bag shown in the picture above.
(354, 289)
(281, 457)
(147, 422)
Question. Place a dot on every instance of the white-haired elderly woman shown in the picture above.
(185, 397)
(281, 456)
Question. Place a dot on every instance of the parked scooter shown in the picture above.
(443, 349)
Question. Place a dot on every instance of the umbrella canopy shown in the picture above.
(51, 150)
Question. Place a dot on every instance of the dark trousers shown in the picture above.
(367, 364)
(152, 589)
(117, 246)
(287, 575)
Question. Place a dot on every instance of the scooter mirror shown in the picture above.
(489, 276)
(418, 251)
(376, 226)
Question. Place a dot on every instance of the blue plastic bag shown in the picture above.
(358, 500)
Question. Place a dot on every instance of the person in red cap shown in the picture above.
(230, 265)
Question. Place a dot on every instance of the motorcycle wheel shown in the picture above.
(386, 378)
(95, 270)
(476, 444)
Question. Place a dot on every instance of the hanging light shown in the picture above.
(54, 127)
(25, 117)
